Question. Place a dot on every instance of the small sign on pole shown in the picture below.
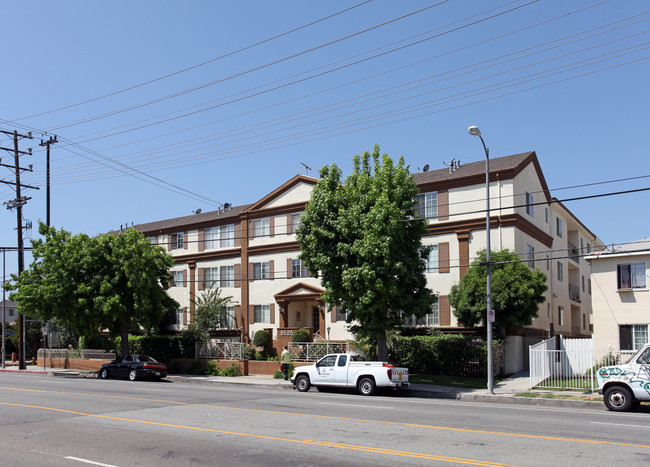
(491, 316)
(44, 330)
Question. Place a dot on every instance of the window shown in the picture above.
(227, 318)
(177, 241)
(430, 319)
(583, 283)
(297, 269)
(633, 336)
(530, 251)
(176, 317)
(548, 263)
(582, 245)
(560, 316)
(11, 312)
(584, 321)
(227, 276)
(432, 260)
(211, 278)
(630, 276)
(295, 222)
(330, 360)
(546, 214)
(588, 248)
(427, 205)
(341, 313)
(558, 226)
(177, 279)
(529, 204)
(262, 313)
(261, 271)
(220, 237)
(152, 240)
(560, 271)
(262, 227)
(589, 286)
(548, 310)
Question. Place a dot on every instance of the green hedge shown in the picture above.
(446, 354)
(162, 348)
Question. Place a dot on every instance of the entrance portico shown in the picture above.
(301, 306)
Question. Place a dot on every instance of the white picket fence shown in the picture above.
(569, 363)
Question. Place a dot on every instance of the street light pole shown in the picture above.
(474, 131)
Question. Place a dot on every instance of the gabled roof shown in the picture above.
(282, 189)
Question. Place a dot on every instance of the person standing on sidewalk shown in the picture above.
(285, 360)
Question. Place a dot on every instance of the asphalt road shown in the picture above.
(60, 421)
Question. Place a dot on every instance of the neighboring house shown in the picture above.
(621, 299)
(10, 311)
(251, 252)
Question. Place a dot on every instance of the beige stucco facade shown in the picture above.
(262, 238)
(621, 310)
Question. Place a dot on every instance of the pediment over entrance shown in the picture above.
(300, 292)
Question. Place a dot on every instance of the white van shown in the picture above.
(625, 386)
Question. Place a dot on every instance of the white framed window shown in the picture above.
(427, 205)
(432, 260)
(176, 317)
(558, 226)
(341, 313)
(152, 240)
(632, 336)
(630, 276)
(177, 242)
(227, 276)
(430, 319)
(177, 279)
(220, 237)
(529, 204)
(530, 252)
(211, 278)
(262, 313)
(295, 221)
(227, 319)
(262, 227)
(297, 268)
(261, 270)
(560, 272)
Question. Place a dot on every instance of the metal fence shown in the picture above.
(220, 350)
(313, 351)
(85, 354)
(570, 364)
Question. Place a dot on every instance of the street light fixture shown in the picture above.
(474, 131)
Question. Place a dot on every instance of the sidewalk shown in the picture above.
(504, 392)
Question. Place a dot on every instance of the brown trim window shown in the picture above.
(177, 242)
(297, 268)
(529, 204)
(261, 270)
(262, 313)
(177, 279)
(222, 236)
(262, 227)
(432, 260)
(427, 205)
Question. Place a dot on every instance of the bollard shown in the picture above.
(13, 356)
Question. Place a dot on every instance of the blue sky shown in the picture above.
(265, 90)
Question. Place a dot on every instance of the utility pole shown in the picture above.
(18, 204)
(48, 143)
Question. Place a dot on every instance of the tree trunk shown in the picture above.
(124, 334)
(382, 350)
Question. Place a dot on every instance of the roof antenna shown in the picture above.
(307, 168)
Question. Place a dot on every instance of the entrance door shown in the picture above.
(316, 320)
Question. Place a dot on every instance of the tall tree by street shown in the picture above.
(115, 282)
(363, 238)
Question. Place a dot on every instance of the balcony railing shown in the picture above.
(574, 253)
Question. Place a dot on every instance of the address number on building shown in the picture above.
(286, 332)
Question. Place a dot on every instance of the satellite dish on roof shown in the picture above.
(425, 168)
(198, 211)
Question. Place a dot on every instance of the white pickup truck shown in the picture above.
(347, 370)
(625, 386)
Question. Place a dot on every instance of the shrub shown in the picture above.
(262, 338)
(232, 370)
(301, 335)
(249, 353)
(446, 354)
(263, 355)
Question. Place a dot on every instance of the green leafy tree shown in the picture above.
(114, 282)
(517, 292)
(364, 241)
(211, 311)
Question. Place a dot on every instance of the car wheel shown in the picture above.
(103, 373)
(132, 375)
(366, 386)
(302, 383)
(618, 398)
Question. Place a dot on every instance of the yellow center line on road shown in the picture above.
(331, 417)
(369, 449)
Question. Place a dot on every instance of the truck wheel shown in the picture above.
(302, 383)
(618, 398)
(366, 386)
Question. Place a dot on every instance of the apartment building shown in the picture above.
(251, 253)
(621, 300)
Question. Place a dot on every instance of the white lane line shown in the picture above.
(151, 389)
(620, 424)
(383, 407)
(86, 461)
